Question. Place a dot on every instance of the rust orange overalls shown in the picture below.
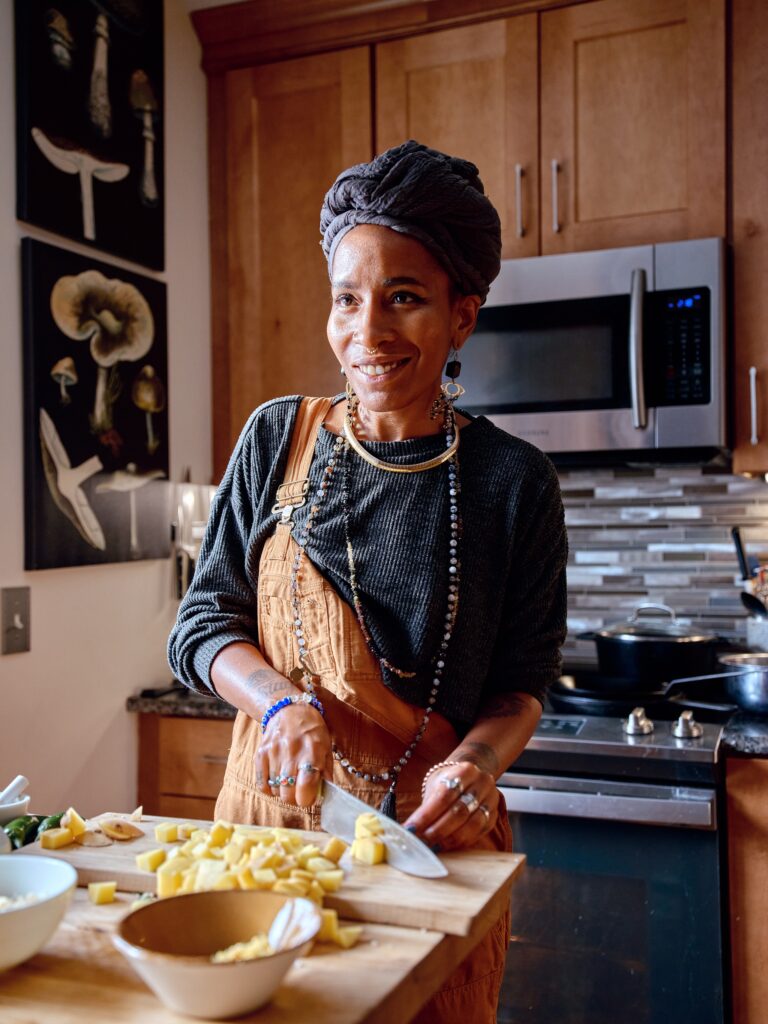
(368, 722)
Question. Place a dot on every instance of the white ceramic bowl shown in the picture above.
(170, 942)
(13, 810)
(26, 930)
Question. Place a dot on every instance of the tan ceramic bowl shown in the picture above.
(169, 943)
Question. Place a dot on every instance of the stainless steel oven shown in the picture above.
(616, 351)
(619, 915)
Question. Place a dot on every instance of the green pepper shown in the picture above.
(22, 830)
(52, 821)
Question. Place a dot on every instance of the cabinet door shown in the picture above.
(750, 235)
(471, 92)
(632, 123)
(280, 133)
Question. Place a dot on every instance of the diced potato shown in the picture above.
(199, 835)
(291, 886)
(347, 936)
(169, 883)
(72, 820)
(226, 880)
(334, 849)
(221, 833)
(318, 864)
(150, 860)
(316, 891)
(264, 878)
(185, 829)
(102, 892)
(329, 926)
(55, 838)
(233, 852)
(330, 881)
(208, 873)
(301, 873)
(368, 850)
(167, 832)
(367, 825)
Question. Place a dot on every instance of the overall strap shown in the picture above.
(292, 492)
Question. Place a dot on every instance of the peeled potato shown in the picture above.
(119, 828)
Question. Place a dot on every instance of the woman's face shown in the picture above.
(394, 318)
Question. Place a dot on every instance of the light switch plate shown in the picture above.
(15, 619)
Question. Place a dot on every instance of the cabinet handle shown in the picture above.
(555, 211)
(213, 759)
(519, 226)
(636, 381)
(753, 403)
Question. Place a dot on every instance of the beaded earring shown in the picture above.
(450, 389)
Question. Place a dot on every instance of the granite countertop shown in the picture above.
(744, 733)
(180, 702)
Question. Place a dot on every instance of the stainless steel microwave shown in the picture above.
(614, 355)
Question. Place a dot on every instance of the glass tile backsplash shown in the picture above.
(659, 535)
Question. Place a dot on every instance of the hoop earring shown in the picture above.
(450, 389)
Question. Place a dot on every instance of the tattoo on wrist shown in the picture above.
(480, 754)
(267, 683)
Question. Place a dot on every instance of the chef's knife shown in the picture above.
(340, 810)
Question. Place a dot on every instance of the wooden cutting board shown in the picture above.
(455, 905)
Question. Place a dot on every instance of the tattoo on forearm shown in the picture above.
(505, 705)
(480, 754)
(267, 682)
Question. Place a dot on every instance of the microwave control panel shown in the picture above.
(681, 353)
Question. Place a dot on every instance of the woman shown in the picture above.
(381, 589)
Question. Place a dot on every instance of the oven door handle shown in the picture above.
(675, 811)
(636, 378)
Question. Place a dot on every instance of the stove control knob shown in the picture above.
(638, 723)
(686, 727)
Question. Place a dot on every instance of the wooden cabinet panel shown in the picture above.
(750, 232)
(633, 112)
(288, 130)
(471, 92)
(181, 764)
(746, 786)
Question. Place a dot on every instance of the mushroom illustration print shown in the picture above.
(65, 483)
(65, 375)
(72, 159)
(127, 15)
(144, 107)
(148, 394)
(129, 480)
(115, 317)
(60, 38)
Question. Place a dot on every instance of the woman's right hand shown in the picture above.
(295, 745)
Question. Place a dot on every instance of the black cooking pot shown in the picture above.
(638, 655)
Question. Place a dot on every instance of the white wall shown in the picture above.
(99, 633)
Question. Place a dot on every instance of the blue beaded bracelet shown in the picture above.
(304, 698)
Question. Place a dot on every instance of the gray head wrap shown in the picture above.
(435, 198)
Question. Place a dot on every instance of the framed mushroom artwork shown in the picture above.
(96, 412)
(89, 101)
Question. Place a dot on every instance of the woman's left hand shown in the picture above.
(460, 805)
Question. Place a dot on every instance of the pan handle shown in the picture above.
(589, 635)
(696, 679)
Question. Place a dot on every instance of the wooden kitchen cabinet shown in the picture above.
(181, 764)
(472, 92)
(633, 117)
(280, 133)
(747, 810)
(749, 122)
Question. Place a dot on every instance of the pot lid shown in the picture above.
(638, 627)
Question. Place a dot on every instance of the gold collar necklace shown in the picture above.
(391, 467)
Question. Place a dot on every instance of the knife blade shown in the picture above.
(339, 811)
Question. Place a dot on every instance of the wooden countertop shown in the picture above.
(394, 969)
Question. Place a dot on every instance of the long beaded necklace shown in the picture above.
(304, 674)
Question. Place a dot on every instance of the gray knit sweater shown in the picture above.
(511, 618)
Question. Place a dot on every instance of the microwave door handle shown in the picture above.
(636, 381)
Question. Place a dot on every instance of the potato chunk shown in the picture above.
(102, 892)
(368, 850)
(54, 838)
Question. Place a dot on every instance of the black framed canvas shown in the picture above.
(89, 100)
(96, 411)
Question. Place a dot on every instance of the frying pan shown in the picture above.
(747, 676)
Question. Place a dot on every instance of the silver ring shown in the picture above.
(273, 783)
(470, 801)
(309, 768)
(486, 812)
(454, 783)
